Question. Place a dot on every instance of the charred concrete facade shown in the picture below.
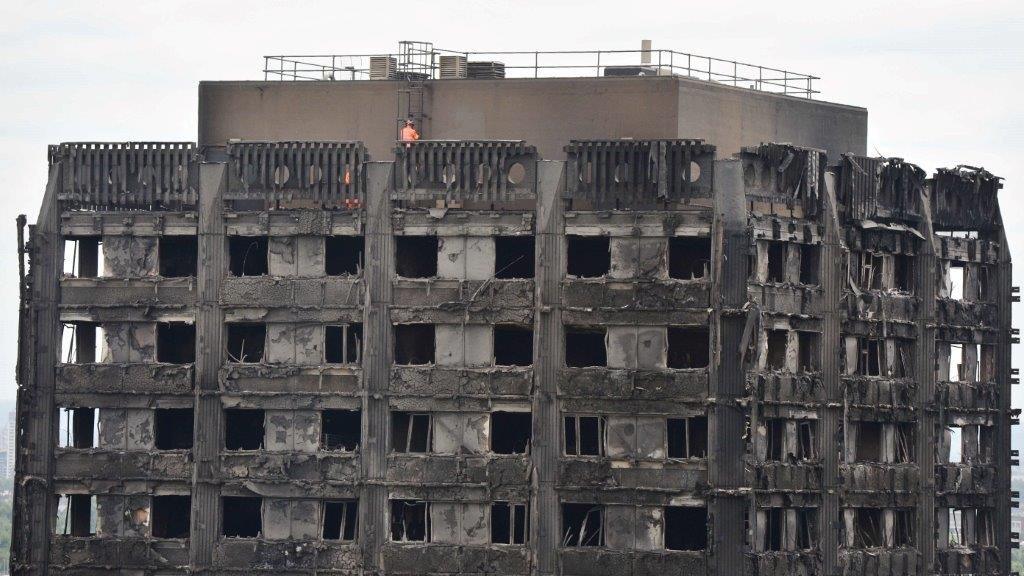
(648, 356)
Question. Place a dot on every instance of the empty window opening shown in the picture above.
(173, 428)
(509, 523)
(411, 432)
(868, 528)
(511, 432)
(954, 439)
(171, 516)
(984, 527)
(585, 347)
(689, 257)
(906, 441)
(867, 269)
(248, 255)
(956, 525)
(246, 342)
(179, 256)
(963, 362)
(687, 437)
(774, 439)
(587, 256)
(82, 256)
(807, 342)
(688, 347)
(775, 529)
(584, 435)
(340, 429)
(869, 442)
(176, 342)
(903, 272)
(340, 520)
(955, 280)
(414, 344)
(80, 342)
(343, 344)
(870, 356)
(903, 528)
(243, 429)
(582, 525)
(242, 516)
(410, 521)
(686, 528)
(806, 528)
(513, 345)
(416, 256)
(806, 440)
(986, 283)
(513, 257)
(775, 358)
(809, 264)
(343, 255)
(776, 261)
(79, 428)
(76, 515)
(986, 442)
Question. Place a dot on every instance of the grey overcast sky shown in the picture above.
(942, 80)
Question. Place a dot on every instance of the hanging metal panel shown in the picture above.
(635, 174)
(459, 171)
(127, 175)
(326, 174)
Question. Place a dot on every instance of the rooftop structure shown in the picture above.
(606, 325)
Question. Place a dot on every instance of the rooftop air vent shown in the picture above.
(383, 67)
(486, 70)
(452, 67)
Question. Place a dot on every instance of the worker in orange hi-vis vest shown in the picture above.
(409, 133)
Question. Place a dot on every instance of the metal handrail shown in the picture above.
(554, 64)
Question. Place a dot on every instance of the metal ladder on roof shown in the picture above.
(415, 66)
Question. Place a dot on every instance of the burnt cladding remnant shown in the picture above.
(644, 356)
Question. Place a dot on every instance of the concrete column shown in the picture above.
(926, 290)
(726, 380)
(830, 415)
(209, 358)
(376, 364)
(1002, 444)
(548, 359)
(39, 336)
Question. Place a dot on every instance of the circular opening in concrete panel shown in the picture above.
(749, 175)
(448, 174)
(281, 175)
(694, 172)
(516, 173)
(483, 174)
(314, 174)
(621, 173)
(587, 173)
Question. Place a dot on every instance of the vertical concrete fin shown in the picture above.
(548, 359)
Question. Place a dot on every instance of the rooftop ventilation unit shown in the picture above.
(486, 70)
(383, 67)
(452, 67)
(633, 71)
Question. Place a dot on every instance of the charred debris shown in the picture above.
(282, 357)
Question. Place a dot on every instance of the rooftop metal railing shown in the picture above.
(550, 64)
